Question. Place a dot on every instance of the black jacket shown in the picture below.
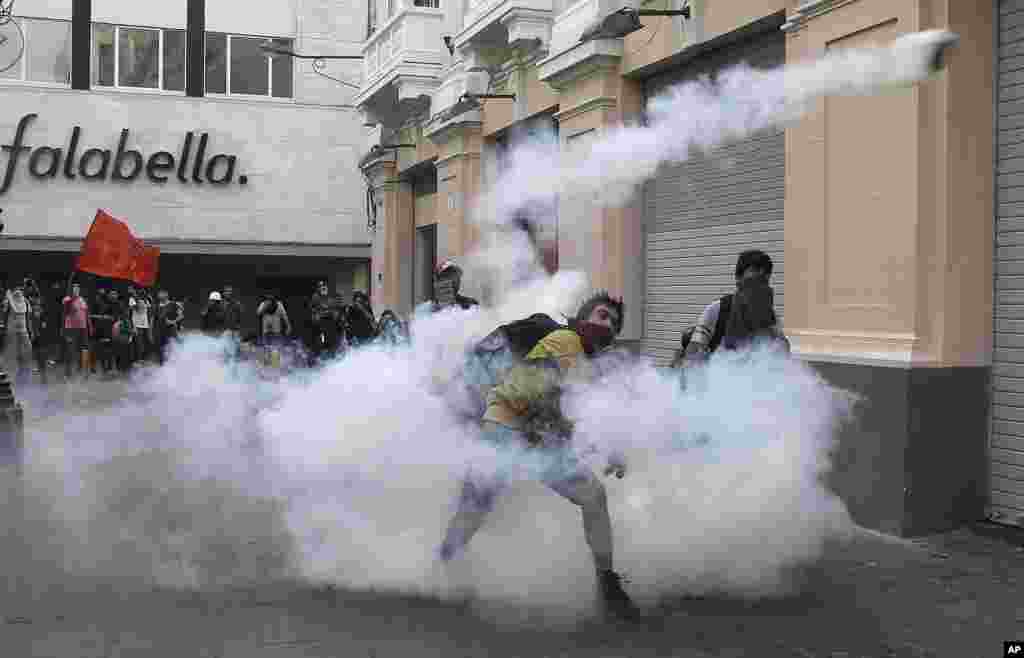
(214, 318)
(359, 323)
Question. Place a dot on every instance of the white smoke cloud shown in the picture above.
(701, 115)
(210, 474)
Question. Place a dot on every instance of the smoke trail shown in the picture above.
(701, 115)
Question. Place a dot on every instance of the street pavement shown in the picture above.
(958, 594)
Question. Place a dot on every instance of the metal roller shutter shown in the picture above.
(699, 215)
(1006, 447)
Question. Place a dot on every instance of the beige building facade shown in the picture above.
(891, 217)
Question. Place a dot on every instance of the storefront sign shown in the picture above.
(121, 165)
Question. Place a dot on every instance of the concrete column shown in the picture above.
(459, 162)
(394, 239)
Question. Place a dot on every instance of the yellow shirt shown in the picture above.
(555, 356)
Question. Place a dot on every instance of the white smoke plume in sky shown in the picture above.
(211, 475)
(702, 115)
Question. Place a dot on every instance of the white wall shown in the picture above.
(256, 17)
(60, 9)
(148, 13)
(329, 27)
(301, 162)
(152, 13)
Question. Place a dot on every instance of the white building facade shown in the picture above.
(241, 164)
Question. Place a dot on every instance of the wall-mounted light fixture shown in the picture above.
(387, 147)
(275, 50)
(625, 21)
(319, 62)
(449, 43)
(475, 97)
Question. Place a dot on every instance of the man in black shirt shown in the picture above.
(360, 323)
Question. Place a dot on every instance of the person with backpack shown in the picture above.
(739, 319)
(522, 416)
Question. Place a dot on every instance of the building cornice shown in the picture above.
(590, 105)
(810, 10)
(582, 60)
(442, 131)
(377, 158)
(465, 155)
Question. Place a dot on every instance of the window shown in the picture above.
(174, 60)
(47, 54)
(433, 4)
(216, 63)
(238, 65)
(138, 57)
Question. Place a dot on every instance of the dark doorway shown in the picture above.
(426, 263)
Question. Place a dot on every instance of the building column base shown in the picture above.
(912, 461)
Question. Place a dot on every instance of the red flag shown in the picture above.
(112, 251)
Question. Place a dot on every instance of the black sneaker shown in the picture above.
(616, 600)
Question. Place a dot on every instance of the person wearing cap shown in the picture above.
(213, 319)
(449, 271)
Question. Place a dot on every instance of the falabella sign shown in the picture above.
(46, 162)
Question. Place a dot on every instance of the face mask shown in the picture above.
(752, 312)
(595, 337)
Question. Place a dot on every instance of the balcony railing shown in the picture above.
(411, 39)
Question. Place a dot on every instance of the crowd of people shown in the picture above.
(109, 334)
(120, 326)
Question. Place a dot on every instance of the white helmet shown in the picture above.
(215, 296)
